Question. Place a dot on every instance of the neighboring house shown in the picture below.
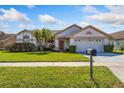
(118, 39)
(25, 36)
(6, 40)
(82, 38)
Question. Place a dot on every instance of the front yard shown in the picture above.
(6, 56)
(56, 77)
(118, 51)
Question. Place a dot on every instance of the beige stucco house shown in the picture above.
(82, 38)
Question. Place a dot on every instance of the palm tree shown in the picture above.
(38, 35)
(46, 36)
(42, 37)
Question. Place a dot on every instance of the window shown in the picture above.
(26, 39)
(89, 33)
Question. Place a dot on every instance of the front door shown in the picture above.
(61, 45)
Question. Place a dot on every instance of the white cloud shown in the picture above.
(83, 24)
(90, 9)
(109, 18)
(114, 17)
(13, 15)
(31, 6)
(4, 27)
(116, 9)
(24, 26)
(49, 19)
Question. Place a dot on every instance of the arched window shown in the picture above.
(26, 39)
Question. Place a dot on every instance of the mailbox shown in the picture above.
(92, 52)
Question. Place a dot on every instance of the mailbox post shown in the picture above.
(91, 66)
(90, 52)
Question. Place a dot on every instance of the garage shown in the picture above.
(83, 45)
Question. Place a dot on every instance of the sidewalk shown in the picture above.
(49, 64)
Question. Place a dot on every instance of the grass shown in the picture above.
(6, 56)
(56, 77)
(118, 51)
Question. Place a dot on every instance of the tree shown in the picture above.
(46, 36)
(42, 37)
(38, 35)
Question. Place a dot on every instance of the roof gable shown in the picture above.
(69, 31)
(95, 29)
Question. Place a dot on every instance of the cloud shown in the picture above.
(49, 19)
(114, 16)
(24, 26)
(115, 8)
(90, 9)
(83, 24)
(13, 15)
(4, 27)
(31, 6)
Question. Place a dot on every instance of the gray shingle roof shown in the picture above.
(5, 36)
(118, 35)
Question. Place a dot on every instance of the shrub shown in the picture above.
(72, 49)
(108, 48)
(48, 49)
(20, 47)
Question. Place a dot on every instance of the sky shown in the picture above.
(14, 18)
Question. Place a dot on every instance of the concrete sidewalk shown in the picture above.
(50, 64)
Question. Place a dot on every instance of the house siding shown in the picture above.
(19, 37)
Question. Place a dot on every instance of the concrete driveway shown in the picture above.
(108, 57)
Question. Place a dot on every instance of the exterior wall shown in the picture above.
(19, 37)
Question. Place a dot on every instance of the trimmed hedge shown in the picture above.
(22, 47)
(108, 48)
(72, 49)
(48, 49)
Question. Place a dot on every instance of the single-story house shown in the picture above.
(25, 36)
(82, 38)
(6, 39)
(118, 39)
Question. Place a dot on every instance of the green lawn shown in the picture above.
(118, 51)
(6, 56)
(56, 77)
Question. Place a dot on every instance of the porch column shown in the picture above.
(56, 44)
(72, 41)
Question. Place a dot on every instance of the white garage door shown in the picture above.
(83, 45)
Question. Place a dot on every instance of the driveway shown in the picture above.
(108, 57)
